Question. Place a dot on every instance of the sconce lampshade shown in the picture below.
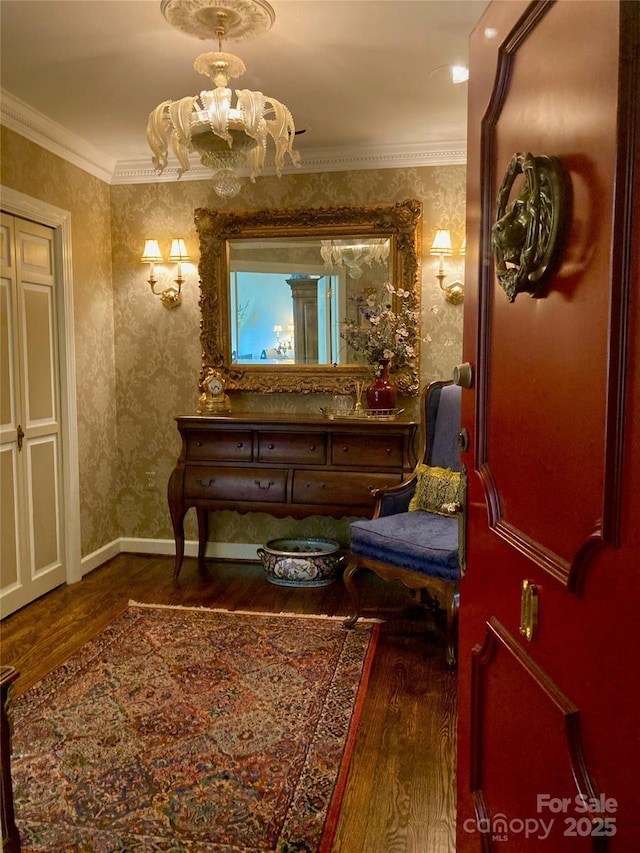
(463, 248)
(178, 250)
(151, 254)
(442, 243)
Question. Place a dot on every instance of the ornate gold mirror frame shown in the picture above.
(400, 222)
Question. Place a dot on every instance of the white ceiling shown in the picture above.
(364, 78)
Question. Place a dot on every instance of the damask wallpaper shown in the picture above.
(138, 362)
(31, 170)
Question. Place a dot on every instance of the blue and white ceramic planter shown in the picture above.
(301, 562)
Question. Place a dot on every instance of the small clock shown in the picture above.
(215, 386)
(213, 398)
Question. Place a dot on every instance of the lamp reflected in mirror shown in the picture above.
(441, 246)
(284, 346)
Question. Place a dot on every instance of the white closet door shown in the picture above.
(31, 506)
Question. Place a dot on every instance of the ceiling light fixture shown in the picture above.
(459, 73)
(450, 73)
(354, 255)
(226, 137)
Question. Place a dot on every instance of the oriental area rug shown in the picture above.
(179, 729)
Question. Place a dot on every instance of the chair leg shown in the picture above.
(453, 604)
(354, 595)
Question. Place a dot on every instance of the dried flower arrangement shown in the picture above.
(383, 330)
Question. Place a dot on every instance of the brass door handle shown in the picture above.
(529, 600)
(20, 437)
(463, 375)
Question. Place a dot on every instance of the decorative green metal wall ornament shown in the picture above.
(527, 234)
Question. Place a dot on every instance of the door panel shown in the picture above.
(545, 387)
(9, 538)
(44, 500)
(547, 715)
(39, 355)
(516, 702)
(7, 348)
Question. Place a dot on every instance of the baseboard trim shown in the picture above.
(244, 551)
(97, 558)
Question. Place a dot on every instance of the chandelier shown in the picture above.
(354, 256)
(227, 138)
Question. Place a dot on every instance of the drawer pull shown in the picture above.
(206, 484)
(198, 444)
(345, 448)
(313, 447)
(240, 444)
(388, 450)
(260, 486)
(270, 446)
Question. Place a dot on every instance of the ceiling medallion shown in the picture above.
(245, 19)
(227, 138)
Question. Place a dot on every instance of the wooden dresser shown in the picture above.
(285, 465)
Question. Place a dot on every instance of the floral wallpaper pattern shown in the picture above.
(138, 362)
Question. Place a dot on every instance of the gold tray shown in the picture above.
(359, 414)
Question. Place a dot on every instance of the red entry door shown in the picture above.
(550, 605)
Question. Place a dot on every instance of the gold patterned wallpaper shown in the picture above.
(31, 170)
(138, 363)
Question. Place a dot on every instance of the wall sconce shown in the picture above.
(170, 297)
(453, 293)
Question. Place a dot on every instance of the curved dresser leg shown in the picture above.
(177, 511)
(203, 535)
(178, 535)
(349, 572)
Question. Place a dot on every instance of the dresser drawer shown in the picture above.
(332, 488)
(292, 447)
(376, 451)
(228, 445)
(235, 484)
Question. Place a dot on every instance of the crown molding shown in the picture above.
(48, 134)
(318, 160)
(21, 118)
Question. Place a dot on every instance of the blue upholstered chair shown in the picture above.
(417, 547)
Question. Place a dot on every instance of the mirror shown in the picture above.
(276, 285)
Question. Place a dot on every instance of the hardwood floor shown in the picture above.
(400, 797)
